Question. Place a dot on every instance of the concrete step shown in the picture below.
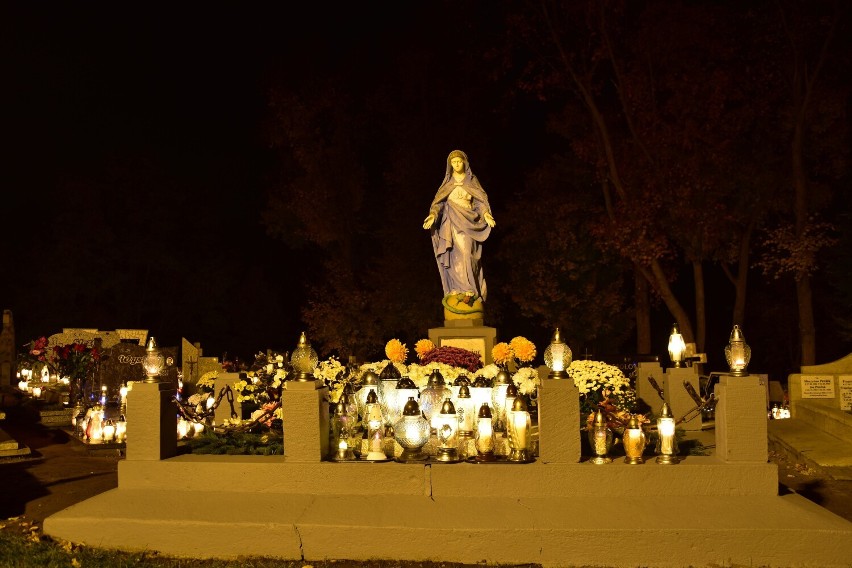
(10, 447)
(830, 420)
(580, 530)
(805, 443)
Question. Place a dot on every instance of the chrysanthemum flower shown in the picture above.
(502, 353)
(523, 348)
(396, 351)
(423, 347)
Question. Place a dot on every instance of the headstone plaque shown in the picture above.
(845, 382)
(818, 386)
(123, 362)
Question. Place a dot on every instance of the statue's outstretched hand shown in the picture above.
(429, 221)
(489, 219)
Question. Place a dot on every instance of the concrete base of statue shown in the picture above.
(468, 334)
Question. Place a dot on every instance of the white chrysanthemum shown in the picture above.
(488, 371)
(527, 380)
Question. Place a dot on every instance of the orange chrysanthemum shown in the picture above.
(523, 348)
(423, 347)
(502, 353)
(396, 351)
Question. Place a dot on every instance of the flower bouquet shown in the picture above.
(606, 387)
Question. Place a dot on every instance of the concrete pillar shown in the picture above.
(678, 398)
(151, 422)
(305, 420)
(558, 421)
(741, 420)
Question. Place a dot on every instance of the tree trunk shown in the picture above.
(643, 314)
(700, 310)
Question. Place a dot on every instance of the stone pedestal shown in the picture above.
(151, 422)
(305, 420)
(644, 389)
(678, 398)
(741, 420)
(558, 421)
(467, 334)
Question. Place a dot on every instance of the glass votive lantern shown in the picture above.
(303, 360)
(446, 424)
(433, 396)
(153, 361)
(369, 382)
(405, 389)
(109, 431)
(375, 428)
(557, 357)
(634, 441)
(462, 379)
(387, 393)
(411, 432)
(676, 346)
(480, 392)
(518, 425)
(484, 437)
(342, 425)
(600, 439)
(666, 446)
(502, 380)
(737, 353)
(121, 429)
(466, 410)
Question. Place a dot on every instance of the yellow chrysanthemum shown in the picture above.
(523, 348)
(396, 351)
(423, 347)
(502, 353)
(208, 379)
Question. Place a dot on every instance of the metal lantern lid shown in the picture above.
(633, 423)
(152, 344)
(502, 378)
(519, 405)
(511, 390)
(482, 382)
(436, 379)
(370, 378)
(448, 407)
(390, 373)
(405, 383)
(665, 411)
(599, 419)
(485, 411)
(372, 397)
(411, 408)
(461, 380)
(464, 391)
(737, 334)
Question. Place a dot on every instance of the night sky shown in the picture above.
(138, 155)
(143, 132)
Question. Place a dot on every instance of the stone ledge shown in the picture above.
(832, 421)
(806, 443)
(592, 529)
(695, 475)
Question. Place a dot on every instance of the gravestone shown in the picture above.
(87, 336)
(123, 362)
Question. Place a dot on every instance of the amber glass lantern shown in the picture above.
(411, 432)
(666, 446)
(518, 425)
(737, 353)
(304, 360)
(557, 357)
(676, 347)
(634, 441)
(342, 425)
(600, 439)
